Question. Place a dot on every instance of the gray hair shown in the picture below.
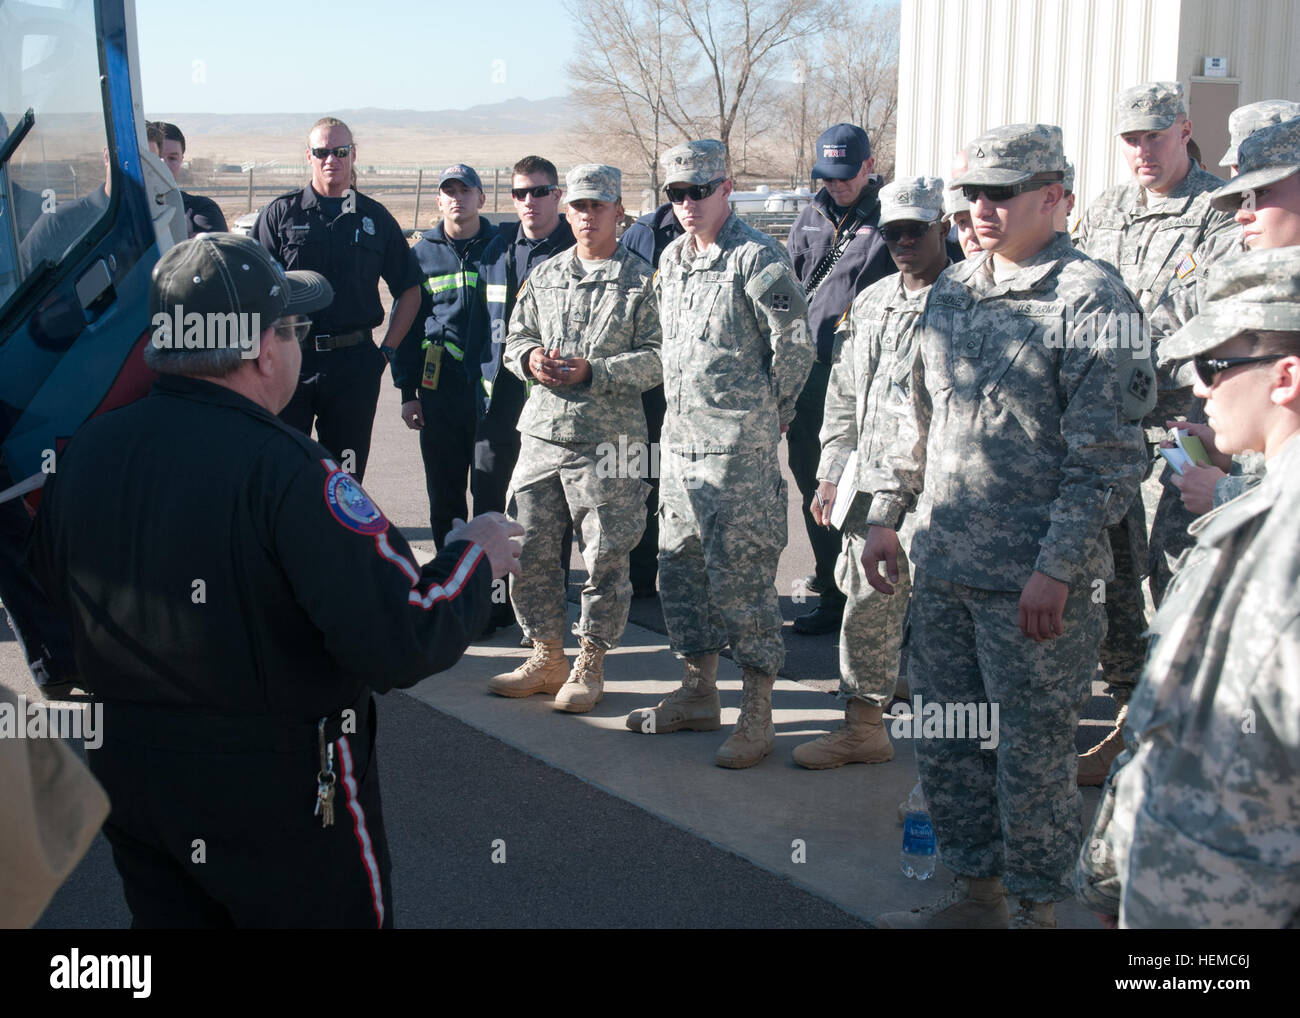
(204, 363)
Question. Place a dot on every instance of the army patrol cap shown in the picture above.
(914, 199)
(1254, 290)
(1246, 120)
(953, 202)
(1012, 154)
(696, 162)
(593, 182)
(1269, 155)
(1152, 106)
(1069, 177)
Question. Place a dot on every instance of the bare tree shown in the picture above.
(738, 39)
(863, 47)
(629, 77)
(756, 119)
(805, 105)
(765, 77)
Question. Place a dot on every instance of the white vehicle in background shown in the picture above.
(244, 224)
(764, 199)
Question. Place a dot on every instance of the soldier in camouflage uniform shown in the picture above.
(1066, 208)
(736, 355)
(957, 209)
(1146, 231)
(1015, 443)
(1246, 120)
(1269, 158)
(872, 366)
(1198, 824)
(586, 328)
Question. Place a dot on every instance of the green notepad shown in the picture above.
(1188, 451)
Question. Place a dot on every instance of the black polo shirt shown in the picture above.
(353, 250)
(202, 215)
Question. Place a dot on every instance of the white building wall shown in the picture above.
(1260, 38)
(968, 65)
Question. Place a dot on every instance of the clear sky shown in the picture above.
(304, 56)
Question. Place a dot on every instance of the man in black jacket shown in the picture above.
(202, 215)
(436, 365)
(234, 597)
(510, 258)
(837, 252)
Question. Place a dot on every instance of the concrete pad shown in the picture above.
(834, 833)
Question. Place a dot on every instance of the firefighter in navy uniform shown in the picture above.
(353, 241)
(837, 252)
(234, 625)
(436, 366)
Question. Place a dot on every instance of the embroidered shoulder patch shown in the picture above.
(1186, 267)
(351, 506)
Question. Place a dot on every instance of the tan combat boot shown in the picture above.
(754, 736)
(861, 740)
(586, 683)
(1034, 915)
(693, 705)
(975, 903)
(1094, 765)
(544, 672)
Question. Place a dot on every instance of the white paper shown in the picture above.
(844, 491)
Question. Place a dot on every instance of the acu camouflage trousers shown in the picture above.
(1015, 809)
(556, 481)
(871, 633)
(722, 528)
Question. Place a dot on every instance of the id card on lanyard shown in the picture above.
(432, 365)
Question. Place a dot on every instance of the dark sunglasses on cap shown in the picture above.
(912, 231)
(1208, 368)
(695, 192)
(1002, 192)
(540, 191)
(341, 152)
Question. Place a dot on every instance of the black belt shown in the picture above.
(338, 340)
(199, 731)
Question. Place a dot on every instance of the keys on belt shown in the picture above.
(338, 340)
(325, 778)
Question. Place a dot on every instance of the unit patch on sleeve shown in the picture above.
(351, 506)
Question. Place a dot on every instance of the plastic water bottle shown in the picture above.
(917, 857)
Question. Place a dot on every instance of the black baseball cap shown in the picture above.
(841, 151)
(224, 272)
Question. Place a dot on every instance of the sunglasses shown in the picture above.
(341, 152)
(1208, 368)
(298, 329)
(912, 231)
(1002, 192)
(695, 192)
(540, 191)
